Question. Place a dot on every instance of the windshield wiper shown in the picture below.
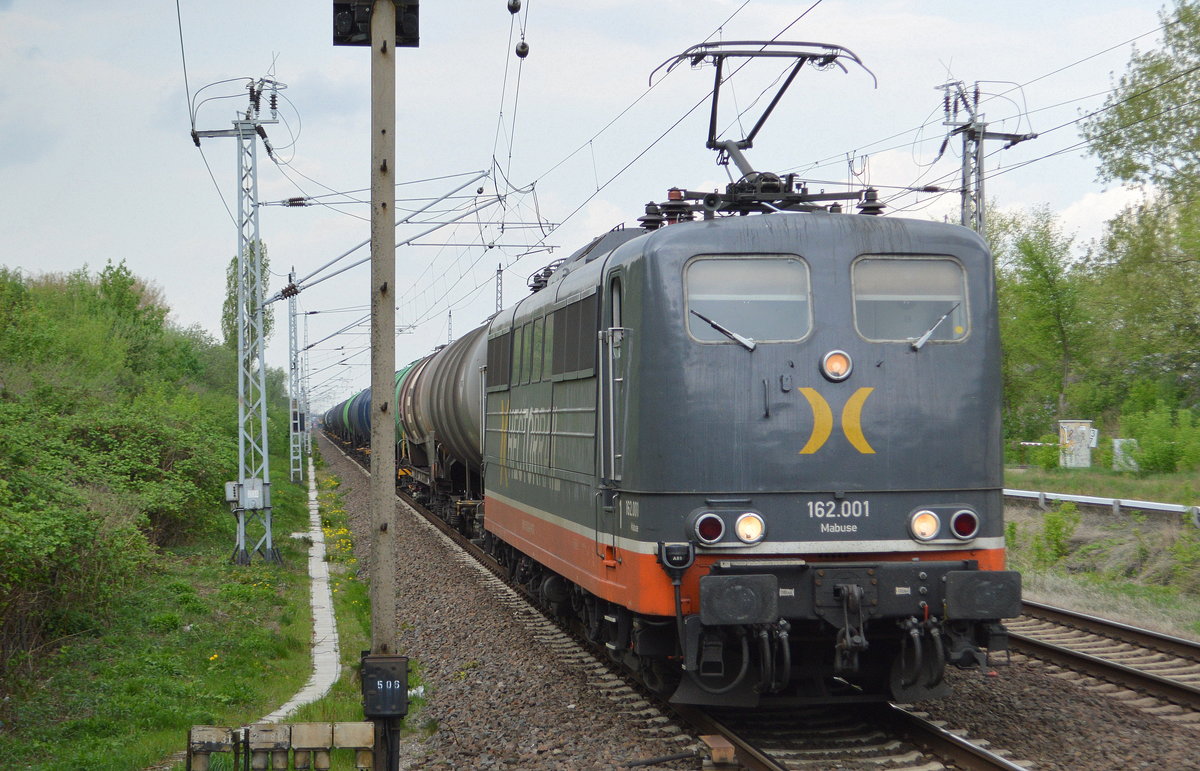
(920, 341)
(745, 342)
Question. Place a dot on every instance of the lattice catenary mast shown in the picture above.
(250, 495)
(295, 399)
(973, 129)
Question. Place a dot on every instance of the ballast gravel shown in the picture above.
(498, 697)
(495, 695)
(1061, 721)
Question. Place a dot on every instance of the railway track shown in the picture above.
(879, 736)
(874, 736)
(1162, 667)
(865, 736)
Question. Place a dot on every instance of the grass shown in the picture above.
(1181, 488)
(1159, 608)
(1143, 570)
(201, 642)
(353, 612)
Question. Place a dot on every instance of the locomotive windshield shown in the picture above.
(758, 297)
(902, 299)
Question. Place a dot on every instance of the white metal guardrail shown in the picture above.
(1116, 504)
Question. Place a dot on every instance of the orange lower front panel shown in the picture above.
(633, 580)
(637, 581)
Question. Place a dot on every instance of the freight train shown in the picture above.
(752, 447)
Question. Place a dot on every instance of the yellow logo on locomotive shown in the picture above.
(823, 421)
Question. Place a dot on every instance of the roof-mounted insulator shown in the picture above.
(677, 210)
(538, 281)
(653, 218)
(871, 205)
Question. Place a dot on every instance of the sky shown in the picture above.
(97, 163)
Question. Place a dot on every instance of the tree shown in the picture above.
(1145, 282)
(1149, 127)
(139, 313)
(229, 319)
(1043, 324)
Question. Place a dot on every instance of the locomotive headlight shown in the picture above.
(750, 528)
(836, 366)
(924, 525)
(709, 528)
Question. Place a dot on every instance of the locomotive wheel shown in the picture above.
(592, 621)
(659, 675)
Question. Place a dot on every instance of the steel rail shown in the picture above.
(903, 724)
(749, 756)
(1161, 687)
(1143, 638)
(947, 745)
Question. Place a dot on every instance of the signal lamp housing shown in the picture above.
(352, 23)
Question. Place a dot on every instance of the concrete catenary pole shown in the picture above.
(383, 359)
(384, 672)
(383, 324)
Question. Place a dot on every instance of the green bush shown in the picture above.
(1046, 456)
(1054, 541)
(1186, 551)
(119, 432)
(1168, 439)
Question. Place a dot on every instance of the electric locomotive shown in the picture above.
(756, 455)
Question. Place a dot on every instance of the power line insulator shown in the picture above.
(522, 49)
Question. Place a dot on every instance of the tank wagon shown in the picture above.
(755, 456)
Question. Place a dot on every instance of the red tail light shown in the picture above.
(710, 528)
(965, 524)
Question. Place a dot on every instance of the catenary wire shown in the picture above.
(819, 163)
